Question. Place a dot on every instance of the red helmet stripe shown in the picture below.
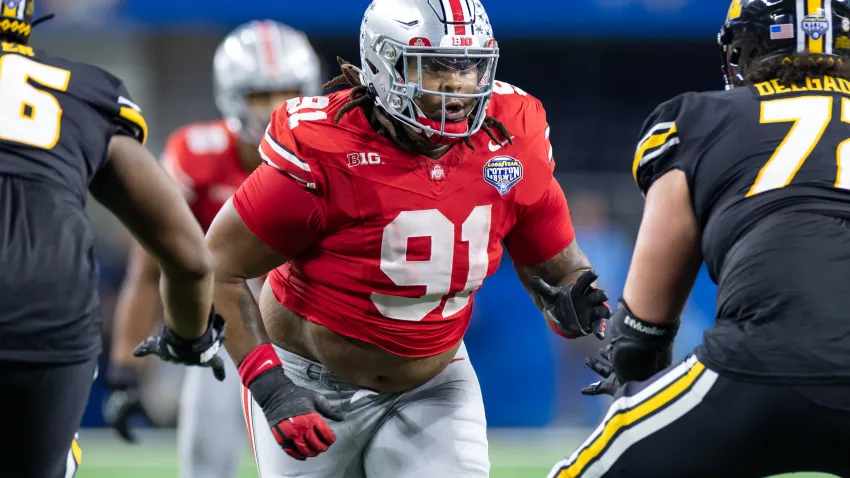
(455, 9)
(266, 39)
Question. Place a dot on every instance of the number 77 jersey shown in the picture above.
(752, 151)
(768, 172)
(388, 246)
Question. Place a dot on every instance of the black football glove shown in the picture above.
(123, 402)
(637, 351)
(609, 383)
(201, 351)
(574, 310)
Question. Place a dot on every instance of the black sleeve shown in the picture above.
(128, 115)
(660, 148)
(108, 95)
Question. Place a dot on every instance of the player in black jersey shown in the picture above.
(755, 181)
(66, 129)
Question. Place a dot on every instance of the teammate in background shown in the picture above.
(379, 212)
(754, 181)
(258, 67)
(67, 128)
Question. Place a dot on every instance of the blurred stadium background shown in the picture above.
(599, 66)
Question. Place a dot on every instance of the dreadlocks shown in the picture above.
(386, 125)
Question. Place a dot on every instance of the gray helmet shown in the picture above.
(399, 34)
(261, 56)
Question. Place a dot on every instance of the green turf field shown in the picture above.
(513, 454)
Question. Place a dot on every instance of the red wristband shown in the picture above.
(259, 361)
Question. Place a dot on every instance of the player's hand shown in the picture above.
(639, 348)
(295, 414)
(609, 383)
(201, 352)
(123, 402)
(574, 310)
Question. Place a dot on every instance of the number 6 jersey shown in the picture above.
(388, 246)
(56, 120)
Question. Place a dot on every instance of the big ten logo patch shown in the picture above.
(361, 159)
(462, 41)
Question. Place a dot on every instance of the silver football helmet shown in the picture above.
(398, 37)
(261, 56)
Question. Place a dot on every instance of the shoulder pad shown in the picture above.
(102, 91)
(524, 117)
(658, 147)
(520, 112)
(284, 146)
(109, 94)
(304, 137)
(192, 152)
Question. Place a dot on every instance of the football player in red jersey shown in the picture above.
(257, 67)
(378, 213)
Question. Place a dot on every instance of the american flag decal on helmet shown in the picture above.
(782, 32)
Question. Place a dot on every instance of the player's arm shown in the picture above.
(137, 307)
(136, 312)
(138, 302)
(270, 218)
(273, 215)
(667, 254)
(139, 192)
(238, 255)
(552, 267)
(664, 266)
(563, 269)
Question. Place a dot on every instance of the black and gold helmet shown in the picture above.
(777, 28)
(16, 19)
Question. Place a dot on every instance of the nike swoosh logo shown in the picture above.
(495, 147)
(267, 362)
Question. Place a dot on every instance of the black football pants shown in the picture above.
(689, 422)
(42, 406)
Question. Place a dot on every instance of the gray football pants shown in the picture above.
(210, 430)
(437, 430)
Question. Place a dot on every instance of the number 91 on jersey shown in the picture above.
(435, 274)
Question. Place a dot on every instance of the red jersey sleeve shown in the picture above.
(540, 146)
(279, 210)
(543, 229)
(279, 149)
(543, 225)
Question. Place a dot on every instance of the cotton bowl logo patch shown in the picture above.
(815, 25)
(503, 172)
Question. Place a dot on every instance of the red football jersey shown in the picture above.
(203, 159)
(388, 246)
